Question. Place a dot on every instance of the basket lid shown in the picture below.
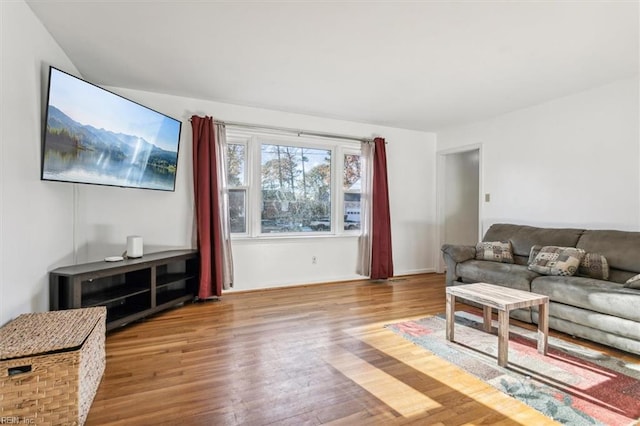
(44, 332)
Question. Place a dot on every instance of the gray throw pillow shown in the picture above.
(533, 253)
(495, 251)
(553, 260)
(633, 282)
(594, 265)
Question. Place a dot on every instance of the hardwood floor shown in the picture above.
(301, 355)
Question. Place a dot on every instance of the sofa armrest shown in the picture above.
(454, 254)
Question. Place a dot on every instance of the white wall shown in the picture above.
(35, 217)
(569, 162)
(44, 225)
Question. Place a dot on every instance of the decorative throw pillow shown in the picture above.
(594, 265)
(533, 253)
(495, 251)
(552, 260)
(633, 282)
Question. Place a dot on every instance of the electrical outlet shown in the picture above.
(314, 260)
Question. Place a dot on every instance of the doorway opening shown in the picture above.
(459, 197)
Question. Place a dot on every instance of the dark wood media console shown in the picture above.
(130, 289)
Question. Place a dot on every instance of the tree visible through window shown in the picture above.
(351, 189)
(285, 186)
(236, 179)
(296, 189)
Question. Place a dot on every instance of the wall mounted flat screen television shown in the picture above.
(94, 136)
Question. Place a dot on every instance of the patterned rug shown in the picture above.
(573, 385)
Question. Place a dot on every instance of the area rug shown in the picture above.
(573, 385)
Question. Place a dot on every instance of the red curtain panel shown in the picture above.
(381, 253)
(205, 184)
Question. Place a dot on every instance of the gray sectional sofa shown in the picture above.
(604, 311)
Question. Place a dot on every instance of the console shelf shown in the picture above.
(130, 289)
(113, 294)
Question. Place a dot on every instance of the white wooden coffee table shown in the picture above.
(503, 299)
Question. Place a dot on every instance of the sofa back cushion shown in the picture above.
(621, 248)
(522, 237)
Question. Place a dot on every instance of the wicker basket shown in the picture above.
(51, 364)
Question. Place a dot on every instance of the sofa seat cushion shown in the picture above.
(505, 274)
(599, 296)
(596, 334)
(607, 323)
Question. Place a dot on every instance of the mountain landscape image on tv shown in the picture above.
(97, 137)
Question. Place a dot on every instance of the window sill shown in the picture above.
(291, 237)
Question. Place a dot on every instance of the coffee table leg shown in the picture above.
(450, 315)
(543, 327)
(503, 337)
(486, 318)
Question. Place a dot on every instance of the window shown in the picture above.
(284, 186)
(351, 191)
(237, 182)
(296, 188)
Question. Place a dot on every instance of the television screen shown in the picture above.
(95, 136)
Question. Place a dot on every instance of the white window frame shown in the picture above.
(239, 139)
(253, 142)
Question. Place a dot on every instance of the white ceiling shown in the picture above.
(415, 65)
